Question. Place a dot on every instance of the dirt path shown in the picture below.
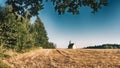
(66, 58)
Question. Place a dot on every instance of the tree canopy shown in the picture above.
(61, 6)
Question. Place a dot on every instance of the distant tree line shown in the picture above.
(17, 33)
(104, 46)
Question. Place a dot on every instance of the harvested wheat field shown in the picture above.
(67, 58)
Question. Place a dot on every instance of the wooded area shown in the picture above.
(19, 34)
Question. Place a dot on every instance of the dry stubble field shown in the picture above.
(67, 58)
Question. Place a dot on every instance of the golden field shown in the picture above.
(66, 58)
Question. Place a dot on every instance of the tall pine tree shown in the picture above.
(7, 28)
(41, 38)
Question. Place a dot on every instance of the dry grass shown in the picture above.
(67, 58)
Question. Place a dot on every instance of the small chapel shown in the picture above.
(71, 45)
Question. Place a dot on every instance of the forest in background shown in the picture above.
(104, 46)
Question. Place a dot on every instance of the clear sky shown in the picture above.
(84, 29)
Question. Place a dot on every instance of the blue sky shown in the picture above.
(84, 29)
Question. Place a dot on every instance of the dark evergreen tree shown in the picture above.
(25, 38)
(7, 28)
(14, 33)
(41, 38)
